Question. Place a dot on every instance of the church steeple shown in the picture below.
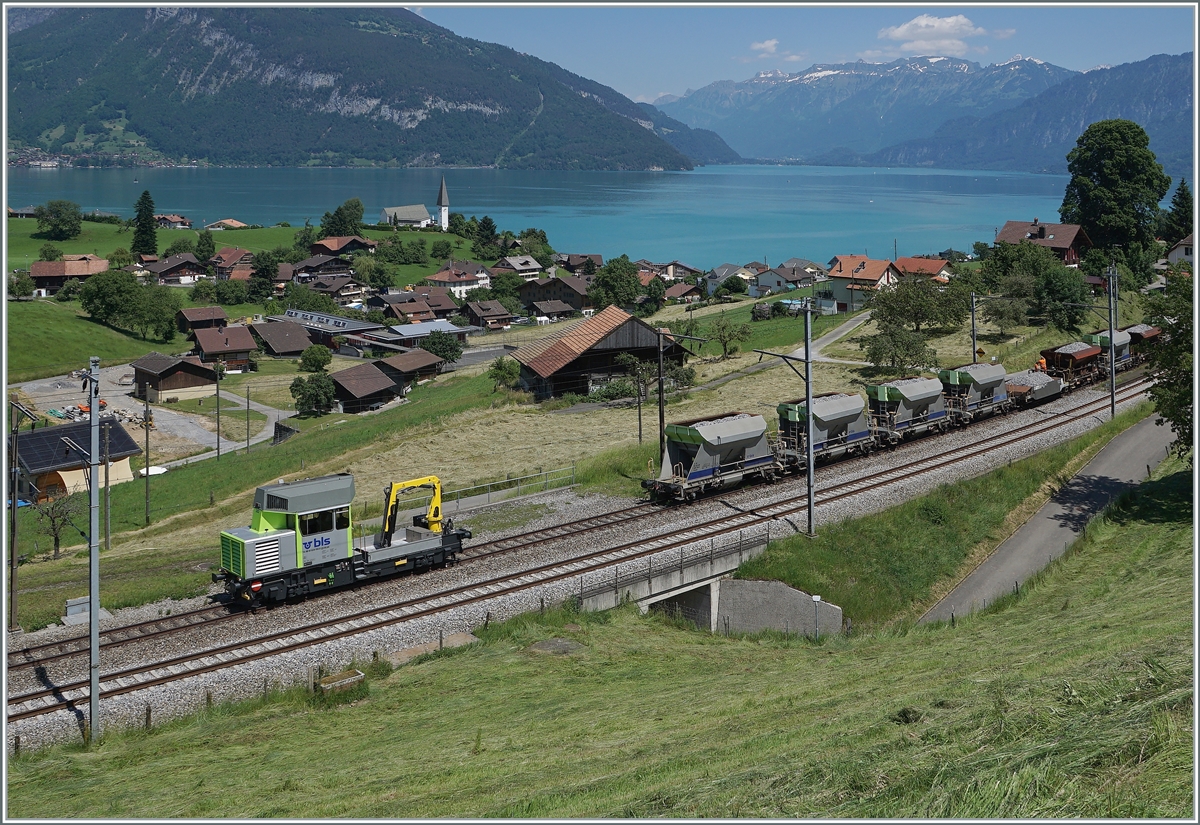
(443, 203)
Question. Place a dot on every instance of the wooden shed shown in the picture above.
(159, 376)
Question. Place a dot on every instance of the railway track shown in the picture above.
(36, 703)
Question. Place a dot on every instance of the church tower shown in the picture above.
(443, 204)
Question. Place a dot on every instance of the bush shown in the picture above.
(613, 390)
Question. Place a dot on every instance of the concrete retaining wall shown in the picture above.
(751, 606)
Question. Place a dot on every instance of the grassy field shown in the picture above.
(48, 338)
(1073, 699)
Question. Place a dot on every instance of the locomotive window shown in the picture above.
(316, 523)
(341, 519)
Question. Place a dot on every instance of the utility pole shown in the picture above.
(809, 458)
(662, 412)
(247, 420)
(1112, 343)
(16, 410)
(219, 363)
(146, 469)
(93, 386)
(107, 499)
(974, 345)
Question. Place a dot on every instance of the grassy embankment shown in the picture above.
(1072, 699)
(51, 338)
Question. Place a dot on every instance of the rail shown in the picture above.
(537, 482)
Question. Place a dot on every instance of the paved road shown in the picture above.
(1120, 465)
(835, 334)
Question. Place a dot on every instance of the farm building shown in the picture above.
(229, 345)
(410, 367)
(582, 356)
(49, 467)
(282, 338)
(194, 318)
(49, 276)
(172, 376)
(552, 309)
(489, 314)
(324, 328)
(363, 387)
(1066, 240)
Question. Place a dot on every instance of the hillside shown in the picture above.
(1073, 700)
(856, 106)
(1036, 136)
(323, 86)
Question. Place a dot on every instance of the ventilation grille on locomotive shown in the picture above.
(266, 557)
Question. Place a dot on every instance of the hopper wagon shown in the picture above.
(1076, 363)
(840, 426)
(1142, 337)
(1032, 387)
(301, 541)
(1119, 350)
(974, 391)
(711, 453)
(906, 408)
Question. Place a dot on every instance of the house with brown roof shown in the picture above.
(683, 292)
(488, 314)
(937, 269)
(173, 222)
(225, 223)
(193, 318)
(524, 265)
(363, 387)
(342, 245)
(227, 258)
(575, 264)
(343, 289)
(437, 297)
(1066, 240)
(582, 356)
(159, 376)
(177, 270)
(551, 309)
(407, 368)
(459, 277)
(852, 279)
(319, 266)
(230, 345)
(49, 276)
(569, 289)
(283, 339)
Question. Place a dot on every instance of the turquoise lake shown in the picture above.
(710, 216)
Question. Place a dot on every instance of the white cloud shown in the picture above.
(1003, 34)
(766, 47)
(794, 58)
(926, 34)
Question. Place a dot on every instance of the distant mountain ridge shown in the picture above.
(858, 107)
(1036, 135)
(327, 86)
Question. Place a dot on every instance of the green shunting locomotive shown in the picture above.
(301, 540)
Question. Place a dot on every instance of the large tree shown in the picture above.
(1171, 360)
(913, 302)
(898, 348)
(145, 227)
(1177, 223)
(727, 333)
(1116, 184)
(316, 393)
(110, 297)
(59, 220)
(615, 283)
(443, 345)
(344, 221)
(153, 311)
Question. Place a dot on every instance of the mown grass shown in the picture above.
(881, 566)
(1073, 700)
(48, 338)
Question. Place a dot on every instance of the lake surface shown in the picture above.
(710, 216)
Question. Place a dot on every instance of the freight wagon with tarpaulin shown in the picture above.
(906, 408)
(840, 426)
(711, 453)
(974, 391)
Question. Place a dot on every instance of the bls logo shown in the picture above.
(312, 544)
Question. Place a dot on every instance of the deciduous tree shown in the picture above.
(1171, 360)
(727, 333)
(1116, 185)
(346, 220)
(20, 285)
(315, 393)
(898, 348)
(110, 296)
(49, 252)
(316, 358)
(616, 283)
(57, 516)
(59, 220)
(504, 372)
(180, 246)
(443, 345)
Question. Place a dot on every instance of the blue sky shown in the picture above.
(646, 51)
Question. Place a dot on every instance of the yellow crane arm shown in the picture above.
(433, 517)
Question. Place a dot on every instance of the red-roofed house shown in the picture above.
(227, 258)
(935, 268)
(683, 292)
(173, 222)
(49, 276)
(1066, 240)
(231, 345)
(853, 277)
(460, 276)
